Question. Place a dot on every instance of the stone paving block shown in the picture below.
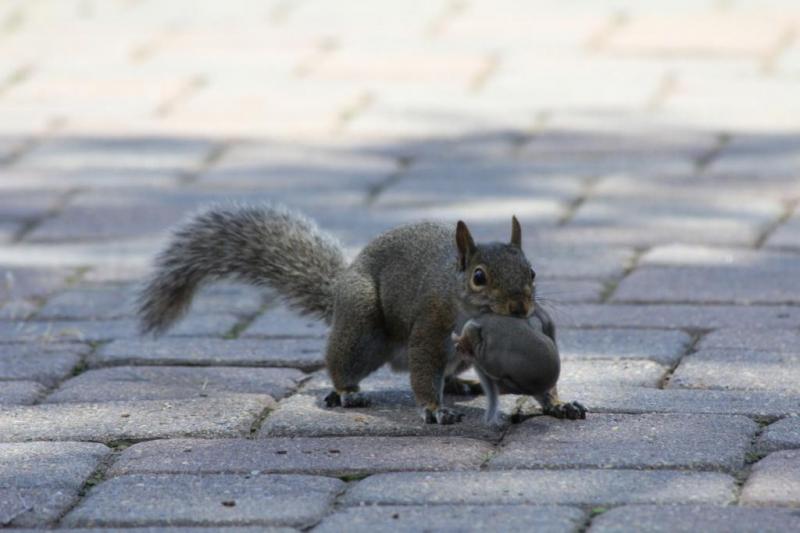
(98, 215)
(9, 231)
(302, 353)
(119, 301)
(691, 518)
(26, 205)
(208, 500)
(19, 283)
(42, 362)
(288, 168)
(282, 322)
(559, 290)
(772, 340)
(410, 518)
(786, 236)
(739, 369)
(552, 260)
(328, 456)
(664, 347)
(774, 481)
(228, 416)
(711, 276)
(393, 412)
(678, 316)
(544, 487)
(134, 152)
(131, 383)
(40, 480)
(619, 372)
(692, 442)
(780, 435)
(756, 404)
(105, 330)
(693, 220)
(20, 392)
(48, 464)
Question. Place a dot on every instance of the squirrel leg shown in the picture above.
(357, 345)
(552, 406)
(494, 416)
(427, 360)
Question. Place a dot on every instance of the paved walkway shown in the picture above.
(651, 151)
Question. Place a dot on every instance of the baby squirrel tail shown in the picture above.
(265, 246)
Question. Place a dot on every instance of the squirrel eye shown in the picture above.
(479, 277)
(533, 274)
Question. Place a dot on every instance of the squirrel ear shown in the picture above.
(516, 232)
(465, 244)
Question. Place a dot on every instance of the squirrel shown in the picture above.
(403, 295)
(514, 356)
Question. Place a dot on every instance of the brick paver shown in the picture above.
(650, 150)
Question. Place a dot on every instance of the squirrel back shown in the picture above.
(264, 245)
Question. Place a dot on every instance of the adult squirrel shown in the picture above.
(406, 291)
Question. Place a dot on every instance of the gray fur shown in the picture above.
(264, 245)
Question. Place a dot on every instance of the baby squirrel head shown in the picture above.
(497, 276)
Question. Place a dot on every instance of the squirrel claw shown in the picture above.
(568, 410)
(442, 416)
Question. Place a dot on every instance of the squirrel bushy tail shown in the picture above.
(264, 246)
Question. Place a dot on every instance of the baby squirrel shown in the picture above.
(514, 356)
(403, 295)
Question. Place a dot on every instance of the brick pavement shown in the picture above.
(651, 151)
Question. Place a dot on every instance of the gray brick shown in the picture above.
(9, 230)
(106, 330)
(333, 456)
(739, 369)
(26, 205)
(544, 487)
(39, 481)
(707, 442)
(691, 518)
(131, 383)
(306, 354)
(281, 323)
(774, 481)
(664, 347)
(17, 283)
(393, 413)
(660, 219)
(20, 392)
(411, 518)
(678, 316)
(105, 302)
(209, 500)
(48, 464)
(586, 260)
(773, 340)
(685, 274)
(229, 416)
(780, 435)
(757, 404)
(42, 362)
(621, 372)
(556, 291)
(787, 235)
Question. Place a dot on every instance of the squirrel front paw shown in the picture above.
(346, 399)
(568, 410)
(441, 415)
